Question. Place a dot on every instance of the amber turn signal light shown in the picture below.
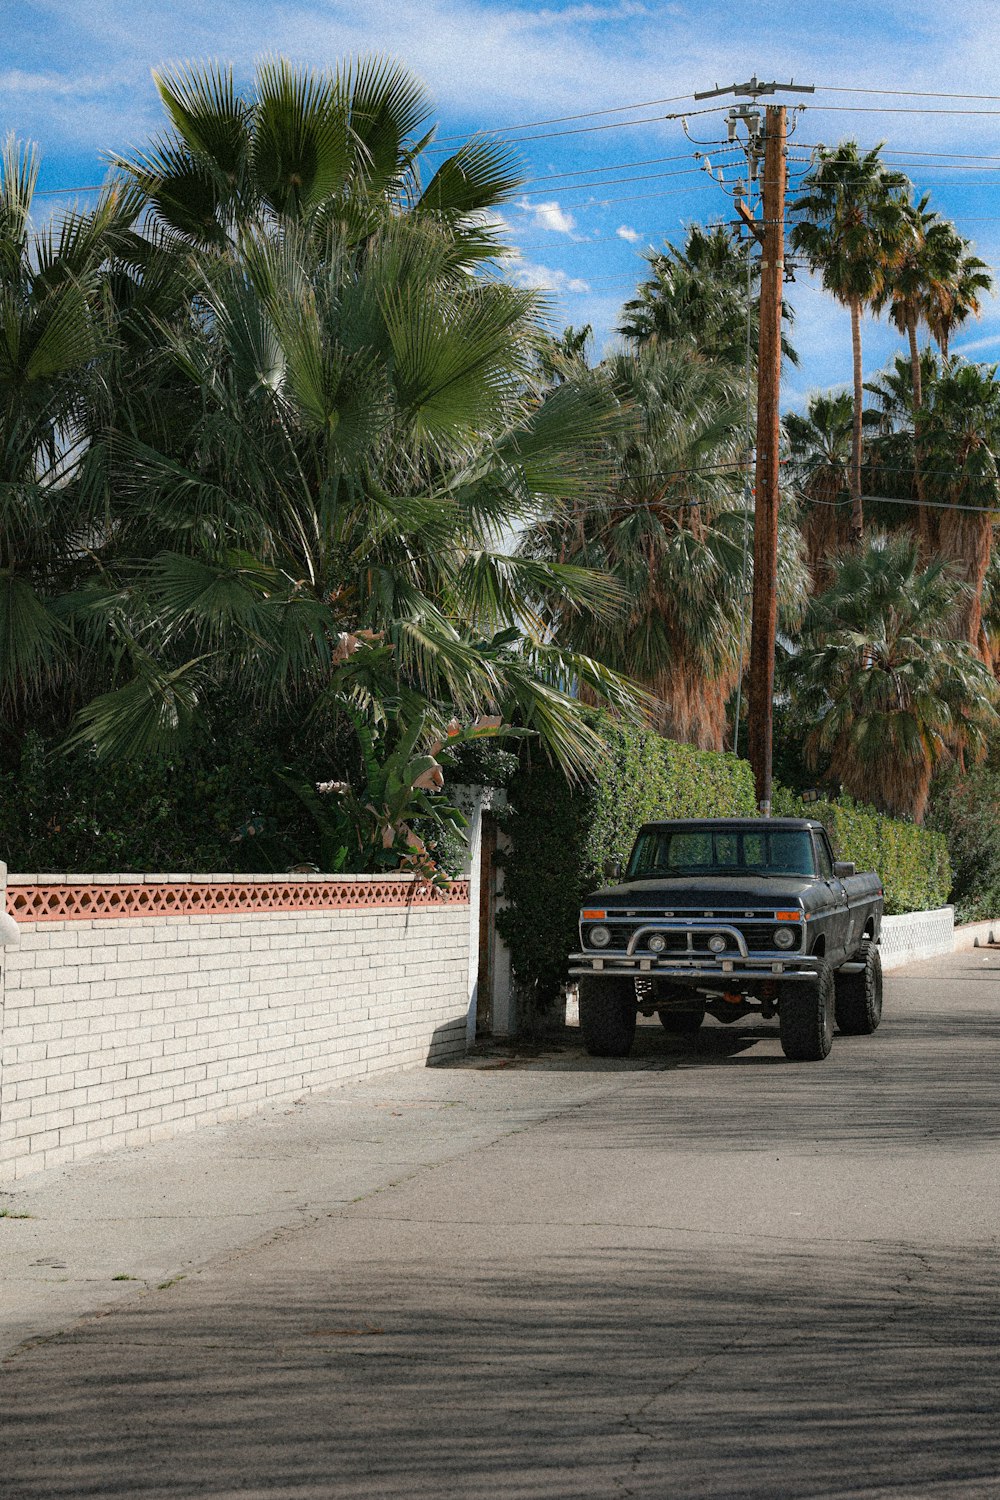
(593, 916)
(788, 916)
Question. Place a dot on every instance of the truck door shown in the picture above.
(839, 936)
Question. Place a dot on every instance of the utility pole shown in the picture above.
(765, 522)
(771, 235)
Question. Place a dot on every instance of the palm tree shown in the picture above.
(52, 340)
(698, 295)
(312, 148)
(282, 428)
(819, 453)
(937, 282)
(961, 427)
(909, 284)
(955, 291)
(879, 671)
(312, 482)
(854, 231)
(670, 529)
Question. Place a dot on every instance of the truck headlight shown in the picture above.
(599, 937)
(717, 943)
(657, 942)
(785, 937)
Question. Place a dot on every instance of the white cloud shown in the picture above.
(546, 279)
(496, 61)
(549, 216)
(624, 232)
(976, 346)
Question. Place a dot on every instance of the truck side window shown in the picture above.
(824, 861)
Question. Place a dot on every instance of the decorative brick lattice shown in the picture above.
(94, 901)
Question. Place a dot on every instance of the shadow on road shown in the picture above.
(581, 1376)
(927, 1076)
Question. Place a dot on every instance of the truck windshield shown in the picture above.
(717, 851)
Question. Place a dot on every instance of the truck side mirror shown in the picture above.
(612, 869)
(842, 868)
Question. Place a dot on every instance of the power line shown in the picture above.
(718, 147)
(52, 192)
(587, 114)
(620, 166)
(981, 510)
(645, 197)
(549, 135)
(831, 88)
(579, 187)
(904, 151)
(890, 109)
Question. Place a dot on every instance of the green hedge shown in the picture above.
(222, 806)
(964, 810)
(560, 837)
(912, 862)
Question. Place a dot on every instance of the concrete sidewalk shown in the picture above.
(81, 1240)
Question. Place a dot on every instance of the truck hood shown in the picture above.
(711, 893)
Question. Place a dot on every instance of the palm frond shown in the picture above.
(153, 714)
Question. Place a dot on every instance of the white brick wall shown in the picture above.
(117, 1032)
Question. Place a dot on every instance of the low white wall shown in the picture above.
(977, 934)
(917, 935)
(120, 1030)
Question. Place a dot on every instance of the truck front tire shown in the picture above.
(608, 1012)
(805, 1017)
(859, 996)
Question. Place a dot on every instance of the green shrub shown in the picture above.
(964, 810)
(912, 862)
(560, 837)
(221, 807)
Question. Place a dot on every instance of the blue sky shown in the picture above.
(77, 79)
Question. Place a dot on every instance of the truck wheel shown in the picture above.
(805, 1017)
(608, 1016)
(682, 1022)
(859, 996)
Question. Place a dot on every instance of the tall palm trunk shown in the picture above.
(966, 540)
(915, 366)
(923, 515)
(857, 510)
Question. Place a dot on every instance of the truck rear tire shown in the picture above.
(805, 1017)
(608, 1013)
(682, 1022)
(859, 996)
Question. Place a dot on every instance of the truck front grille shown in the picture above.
(758, 936)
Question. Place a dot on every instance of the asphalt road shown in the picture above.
(703, 1272)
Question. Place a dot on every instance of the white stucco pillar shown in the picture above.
(470, 800)
(9, 933)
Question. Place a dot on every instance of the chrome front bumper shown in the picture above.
(793, 966)
(735, 963)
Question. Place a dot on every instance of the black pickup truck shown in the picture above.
(731, 916)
